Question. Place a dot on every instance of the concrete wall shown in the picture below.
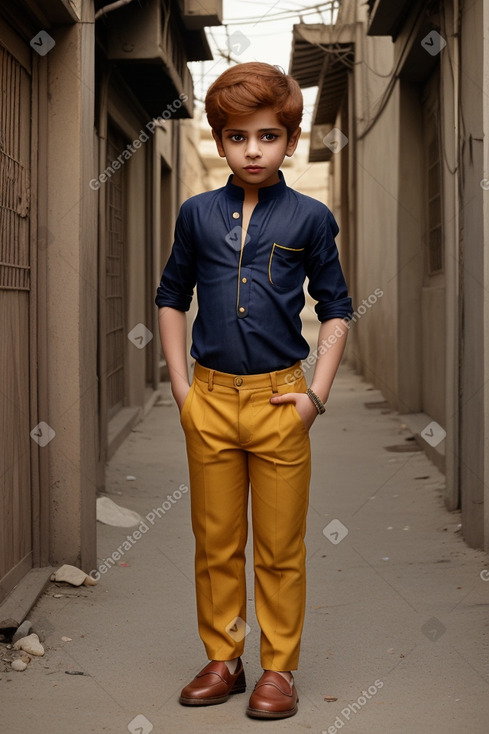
(449, 92)
(436, 324)
(364, 181)
(194, 171)
(138, 240)
(417, 126)
(68, 223)
(71, 296)
(399, 344)
(475, 334)
(311, 179)
(376, 266)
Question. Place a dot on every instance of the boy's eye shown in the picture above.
(267, 137)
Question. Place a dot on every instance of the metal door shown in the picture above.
(114, 286)
(16, 445)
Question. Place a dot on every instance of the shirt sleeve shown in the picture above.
(179, 275)
(326, 280)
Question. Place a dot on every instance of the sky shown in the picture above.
(257, 30)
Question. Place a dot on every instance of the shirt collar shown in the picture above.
(265, 193)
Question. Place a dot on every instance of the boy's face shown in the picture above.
(255, 146)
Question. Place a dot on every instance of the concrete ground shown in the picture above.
(396, 629)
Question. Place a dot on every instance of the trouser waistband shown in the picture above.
(248, 382)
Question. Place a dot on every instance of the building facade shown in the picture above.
(401, 114)
(92, 145)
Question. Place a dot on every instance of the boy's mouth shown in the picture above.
(253, 169)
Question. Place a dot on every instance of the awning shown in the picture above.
(422, 46)
(321, 56)
(387, 17)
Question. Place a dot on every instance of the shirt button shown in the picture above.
(235, 215)
(242, 309)
(238, 381)
(243, 280)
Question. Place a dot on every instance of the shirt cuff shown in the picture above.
(178, 303)
(341, 309)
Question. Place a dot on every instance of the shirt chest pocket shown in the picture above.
(285, 267)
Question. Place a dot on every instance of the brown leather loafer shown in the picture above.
(214, 684)
(273, 697)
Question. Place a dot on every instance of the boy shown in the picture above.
(248, 247)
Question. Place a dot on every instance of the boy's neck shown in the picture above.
(251, 193)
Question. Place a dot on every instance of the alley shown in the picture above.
(396, 625)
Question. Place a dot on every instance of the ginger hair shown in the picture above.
(247, 87)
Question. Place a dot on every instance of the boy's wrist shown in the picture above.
(321, 391)
(316, 400)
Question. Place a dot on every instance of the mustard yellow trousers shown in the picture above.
(236, 439)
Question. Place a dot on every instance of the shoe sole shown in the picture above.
(261, 714)
(211, 701)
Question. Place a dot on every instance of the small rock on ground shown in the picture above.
(30, 644)
(22, 631)
(18, 665)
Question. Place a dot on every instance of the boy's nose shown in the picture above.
(253, 149)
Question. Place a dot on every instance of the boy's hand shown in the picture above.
(303, 404)
(180, 393)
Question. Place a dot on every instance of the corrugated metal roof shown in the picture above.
(331, 93)
(307, 58)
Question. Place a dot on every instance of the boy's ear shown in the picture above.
(218, 140)
(292, 142)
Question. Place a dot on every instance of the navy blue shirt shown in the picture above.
(250, 298)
